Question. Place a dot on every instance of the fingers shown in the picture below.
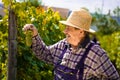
(28, 27)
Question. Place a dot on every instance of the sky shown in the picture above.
(92, 5)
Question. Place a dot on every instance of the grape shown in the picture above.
(28, 38)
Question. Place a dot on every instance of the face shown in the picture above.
(73, 35)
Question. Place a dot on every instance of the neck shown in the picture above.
(74, 47)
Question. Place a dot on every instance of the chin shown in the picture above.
(68, 41)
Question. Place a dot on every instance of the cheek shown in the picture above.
(76, 36)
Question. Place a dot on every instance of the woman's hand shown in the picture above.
(30, 27)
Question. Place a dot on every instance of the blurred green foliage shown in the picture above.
(112, 46)
(28, 66)
(105, 23)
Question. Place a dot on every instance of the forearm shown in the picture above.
(35, 32)
(41, 51)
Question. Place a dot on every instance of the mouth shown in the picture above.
(67, 36)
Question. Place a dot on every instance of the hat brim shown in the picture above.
(72, 25)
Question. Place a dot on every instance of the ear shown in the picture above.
(82, 32)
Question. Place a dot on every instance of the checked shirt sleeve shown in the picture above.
(106, 68)
(41, 51)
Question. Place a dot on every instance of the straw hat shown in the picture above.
(80, 19)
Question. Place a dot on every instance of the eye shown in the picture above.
(76, 28)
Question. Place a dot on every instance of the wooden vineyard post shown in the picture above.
(12, 46)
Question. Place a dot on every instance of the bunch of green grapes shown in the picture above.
(28, 37)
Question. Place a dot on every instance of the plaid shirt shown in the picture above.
(97, 62)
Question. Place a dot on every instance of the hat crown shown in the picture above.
(81, 19)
